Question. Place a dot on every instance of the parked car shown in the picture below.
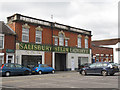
(14, 69)
(116, 65)
(84, 65)
(104, 68)
(42, 68)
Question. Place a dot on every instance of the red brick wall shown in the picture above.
(48, 58)
(102, 50)
(46, 37)
(9, 43)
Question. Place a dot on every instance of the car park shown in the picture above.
(103, 68)
(9, 69)
(42, 68)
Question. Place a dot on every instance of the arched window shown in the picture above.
(38, 37)
(25, 33)
(61, 39)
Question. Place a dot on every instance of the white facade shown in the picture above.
(72, 60)
(116, 54)
(19, 54)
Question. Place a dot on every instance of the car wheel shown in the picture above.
(83, 72)
(104, 73)
(7, 74)
(53, 71)
(40, 72)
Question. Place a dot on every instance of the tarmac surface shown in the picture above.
(65, 79)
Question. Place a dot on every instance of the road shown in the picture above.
(60, 80)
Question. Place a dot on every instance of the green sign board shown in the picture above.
(38, 47)
(10, 50)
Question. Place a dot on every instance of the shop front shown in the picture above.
(63, 58)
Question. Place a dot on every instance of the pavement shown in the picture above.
(63, 79)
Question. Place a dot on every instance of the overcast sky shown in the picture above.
(98, 16)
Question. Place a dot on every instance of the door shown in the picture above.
(19, 69)
(11, 68)
(10, 58)
(98, 68)
(43, 68)
(91, 69)
(72, 64)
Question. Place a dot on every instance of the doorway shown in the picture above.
(82, 60)
(60, 62)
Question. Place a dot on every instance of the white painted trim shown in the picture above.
(10, 54)
(3, 40)
(1, 54)
(19, 54)
(53, 60)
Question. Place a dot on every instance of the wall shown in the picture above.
(101, 50)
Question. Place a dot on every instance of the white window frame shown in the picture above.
(61, 39)
(38, 36)
(79, 42)
(86, 42)
(66, 42)
(25, 32)
(2, 35)
(56, 41)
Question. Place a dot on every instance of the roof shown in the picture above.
(31, 20)
(5, 29)
(106, 42)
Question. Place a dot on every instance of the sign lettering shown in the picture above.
(38, 47)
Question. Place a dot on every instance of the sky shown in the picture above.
(98, 16)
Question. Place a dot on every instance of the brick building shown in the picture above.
(39, 41)
(7, 44)
(109, 48)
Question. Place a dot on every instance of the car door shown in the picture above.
(47, 68)
(19, 69)
(11, 68)
(43, 68)
(91, 68)
(98, 68)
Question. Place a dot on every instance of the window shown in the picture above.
(99, 65)
(56, 41)
(86, 43)
(61, 39)
(1, 42)
(46, 65)
(111, 58)
(25, 35)
(104, 64)
(38, 36)
(93, 65)
(10, 59)
(66, 42)
(1, 60)
(17, 65)
(79, 42)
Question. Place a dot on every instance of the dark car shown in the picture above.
(84, 65)
(14, 69)
(42, 68)
(103, 68)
